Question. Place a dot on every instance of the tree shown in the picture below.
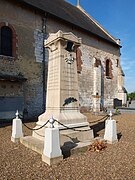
(131, 95)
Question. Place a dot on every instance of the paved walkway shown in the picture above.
(127, 110)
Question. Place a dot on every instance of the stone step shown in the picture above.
(33, 143)
(76, 136)
(67, 135)
(68, 148)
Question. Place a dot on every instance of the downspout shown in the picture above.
(44, 31)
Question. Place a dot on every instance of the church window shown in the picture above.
(97, 62)
(7, 40)
(79, 60)
(108, 68)
(117, 61)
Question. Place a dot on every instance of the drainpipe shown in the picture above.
(44, 20)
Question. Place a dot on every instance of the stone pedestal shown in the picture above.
(62, 85)
(62, 103)
(52, 152)
(110, 132)
(16, 130)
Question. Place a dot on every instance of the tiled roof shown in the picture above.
(68, 13)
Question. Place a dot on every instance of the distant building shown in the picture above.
(23, 61)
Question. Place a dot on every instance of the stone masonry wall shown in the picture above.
(86, 77)
(24, 22)
(93, 47)
(28, 27)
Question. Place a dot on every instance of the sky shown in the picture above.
(118, 18)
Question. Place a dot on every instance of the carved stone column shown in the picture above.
(62, 85)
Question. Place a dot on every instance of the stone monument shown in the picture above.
(110, 130)
(62, 88)
(17, 132)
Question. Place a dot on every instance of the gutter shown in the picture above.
(44, 31)
(117, 41)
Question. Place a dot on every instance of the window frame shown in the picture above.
(108, 75)
(6, 41)
(14, 40)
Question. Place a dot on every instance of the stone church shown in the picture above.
(24, 28)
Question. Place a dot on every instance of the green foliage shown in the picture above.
(131, 95)
(117, 111)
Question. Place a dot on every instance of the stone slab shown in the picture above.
(68, 148)
(33, 143)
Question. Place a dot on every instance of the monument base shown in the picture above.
(71, 140)
(65, 117)
(80, 134)
(81, 130)
(68, 148)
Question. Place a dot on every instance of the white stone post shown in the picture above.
(52, 153)
(16, 129)
(110, 130)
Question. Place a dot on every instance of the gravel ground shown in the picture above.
(117, 161)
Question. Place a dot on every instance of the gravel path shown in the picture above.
(116, 162)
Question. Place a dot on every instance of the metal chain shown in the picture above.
(105, 117)
(38, 134)
(32, 129)
(74, 129)
(99, 119)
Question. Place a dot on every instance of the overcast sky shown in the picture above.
(118, 18)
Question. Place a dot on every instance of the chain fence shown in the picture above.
(65, 126)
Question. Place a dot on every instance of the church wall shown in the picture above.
(24, 22)
(28, 27)
(93, 47)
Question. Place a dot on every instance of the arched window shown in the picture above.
(79, 60)
(117, 61)
(6, 41)
(108, 68)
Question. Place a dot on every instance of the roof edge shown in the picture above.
(117, 41)
(114, 41)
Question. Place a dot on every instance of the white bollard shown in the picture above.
(110, 130)
(52, 153)
(16, 129)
